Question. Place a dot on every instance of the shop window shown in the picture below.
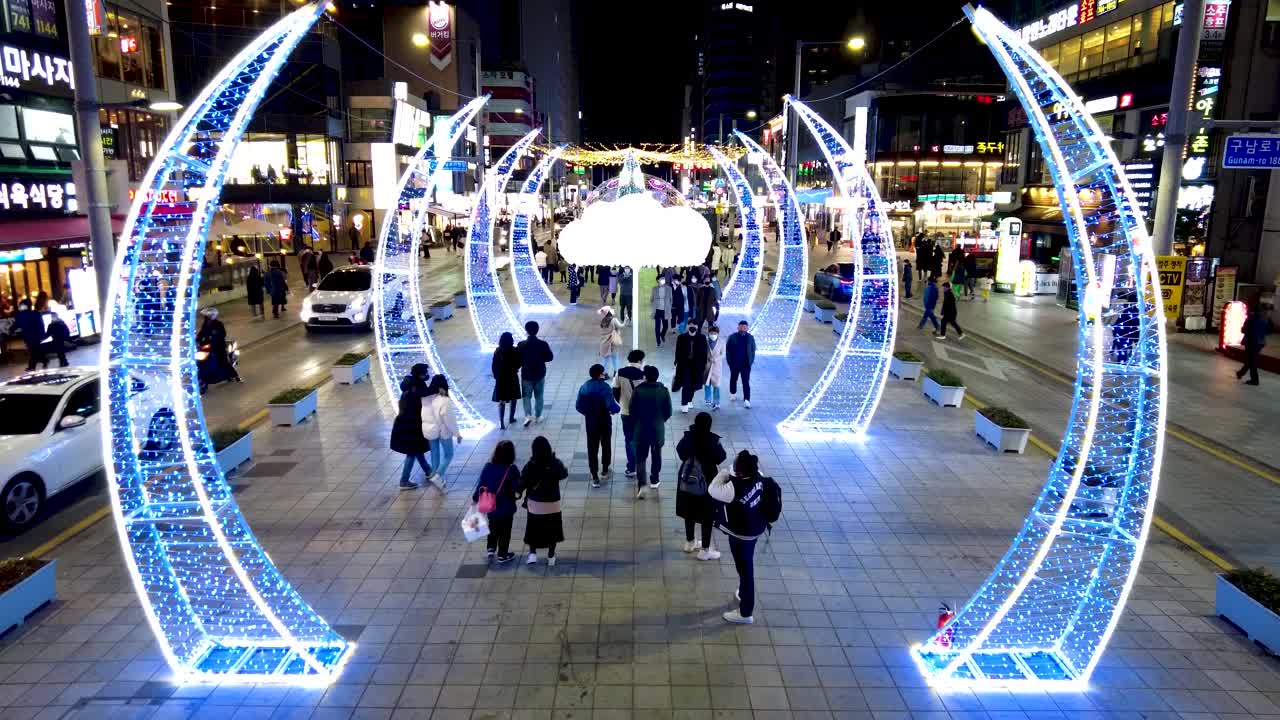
(12, 151)
(1117, 45)
(9, 122)
(359, 173)
(67, 154)
(1070, 54)
(48, 127)
(1012, 157)
(1050, 54)
(908, 135)
(131, 51)
(1091, 49)
(155, 56)
(107, 46)
(44, 152)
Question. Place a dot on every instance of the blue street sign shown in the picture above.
(1251, 151)
(455, 164)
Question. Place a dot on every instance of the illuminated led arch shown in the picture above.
(217, 605)
(1046, 613)
(740, 292)
(490, 314)
(775, 323)
(533, 293)
(845, 399)
(400, 328)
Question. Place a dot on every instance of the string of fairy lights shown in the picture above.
(686, 155)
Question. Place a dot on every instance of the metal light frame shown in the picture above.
(530, 288)
(740, 290)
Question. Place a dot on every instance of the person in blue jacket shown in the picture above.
(597, 407)
(502, 478)
(1255, 338)
(930, 302)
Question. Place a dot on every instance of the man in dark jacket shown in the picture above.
(691, 364)
(741, 491)
(740, 353)
(406, 432)
(31, 326)
(597, 407)
(602, 279)
(367, 253)
(1255, 337)
(650, 409)
(535, 353)
(930, 302)
(949, 313)
(624, 385)
(278, 287)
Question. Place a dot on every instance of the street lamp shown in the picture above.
(752, 115)
(857, 43)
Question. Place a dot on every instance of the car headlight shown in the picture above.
(306, 304)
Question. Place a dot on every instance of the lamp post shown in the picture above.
(856, 44)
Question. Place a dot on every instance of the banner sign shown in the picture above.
(440, 31)
(24, 69)
(1251, 150)
(1172, 270)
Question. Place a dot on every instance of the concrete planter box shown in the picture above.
(1003, 439)
(33, 593)
(905, 370)
(442, 310)
(809, 305)
(351, 374)
(837, 323)
(824, 314)
(1259, 623)
(294, 413)
(460, 299)
(943, 395)
(236, 454)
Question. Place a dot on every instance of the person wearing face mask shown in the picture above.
(660, 301)
(715, 359)
(691, 364)
(677, 304)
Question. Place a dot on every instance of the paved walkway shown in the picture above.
(626, 626)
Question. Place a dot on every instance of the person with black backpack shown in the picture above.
(749, 505)
(700, 454)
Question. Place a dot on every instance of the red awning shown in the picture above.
(51, 231)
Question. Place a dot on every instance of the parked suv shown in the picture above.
(344, 298)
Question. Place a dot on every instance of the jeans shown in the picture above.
(678, 318)
(744, 560)
(659, 326)
(709, 391)
(599, 442)
(533, 391)
(928, 315)
(643, 450)
(441, 455)
(499, 539)
(610, 362)
(629, 441)
(952, 322)
(706, 532)
(745, 372)
(408, 467)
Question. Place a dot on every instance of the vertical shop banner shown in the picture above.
(1195, 285)
(44, 18)
(1173, 271)
(440, 31)
(1224, 289)
(17, 15)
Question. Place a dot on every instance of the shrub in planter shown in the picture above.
(905, 365)
(1250, 600)
(233, 447)
(442, 310)
(292, 406)
(460, 298)
(944, 387)
(350, 368)
(1002, 429)
(26, 585)
(810, 302)
(837, 323)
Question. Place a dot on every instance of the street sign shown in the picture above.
(1248, 151)
(455, 164)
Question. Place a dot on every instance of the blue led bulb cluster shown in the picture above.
(533, 293)
(740, 291)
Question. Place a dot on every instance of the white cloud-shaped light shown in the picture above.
(636, 230)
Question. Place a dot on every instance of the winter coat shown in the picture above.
(740, 350)
(535, 353)
(31, 325)
(660, 298)
(325, 266)
(949, 305)
(625, 383)
(742, 497)
(541, 481)
(607, 347)
(715, 360)
(439, 421)
(506, 375)
(613, 282)
(278, 286)
(930, 296)
(709, 303)
(406, 431)
(706, 448)
(677, 300)
(574, 280)
(1255, 330)
(602, 275)
(253, 287)
(503, 481)
(626, 282)
(596, 404)
(906, 272)
(691, 361)
(650, 411)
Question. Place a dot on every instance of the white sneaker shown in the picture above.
(709, 554)
(640, 494)
(735, 617)
(655, 484)
(539, 419)
(551, 561)
(737, 595)
(532, 559)
(690, 546)
(733, 398)
(746, 404)
(528, 421)
(684, 409)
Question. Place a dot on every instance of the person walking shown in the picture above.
(212, 333)
(624, 385)
(440, 428)
(959, 275)
(924, 255)
(984, 287)
(970, 274)
(60, 340)
(610, 338)
(540, 259)
(505, 368)
(1255, 338)
(651, 408)
(30, 325)
(501, 477)
(626, 283)
(575, 284)
(906, 277)
(691, 365)
(700, 454)
(949, 312)
(596, 405)
(602, 281)
(407, 437)
(833, 240)
(708, 302)
(535, 353)
(677, 304)
(740, 354)
(692, 294)
(741, 492)
(279, 289)
(253, 292)
(613, 283)
(715, 360)
(930, 302)
(939, 256)
(660, 301)
(541, 478)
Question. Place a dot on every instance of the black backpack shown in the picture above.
(771, 502)
(691, 478)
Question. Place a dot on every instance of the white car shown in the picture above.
(344, 298)
(49, 439)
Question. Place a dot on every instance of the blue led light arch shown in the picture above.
(1049, 608)
(490, 314)
(219, 608)
(532, 291)
(740, 291)
(774, 324)
(400, 330)
(845, 398)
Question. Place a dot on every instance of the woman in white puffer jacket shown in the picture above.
(440, 427)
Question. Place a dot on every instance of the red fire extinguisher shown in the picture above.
(945, 614)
